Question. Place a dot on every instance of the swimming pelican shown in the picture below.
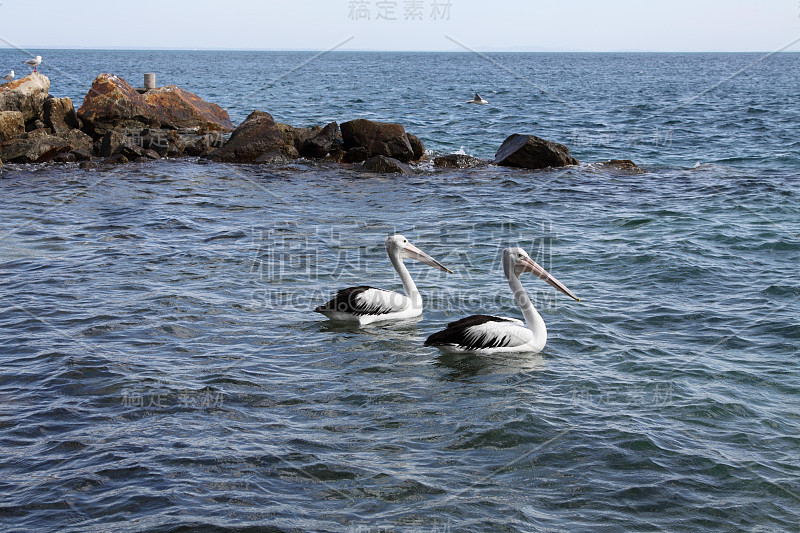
(9, 76)
(35, 62)
(478, 100)
(490, 334)
(365, 305)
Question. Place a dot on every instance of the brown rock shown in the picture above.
(38, 149)
(26, 95)
(59, 115)
(112, 103)
(625, 166)
(529, 151)
(181, 109)
(322, 143)
(458, 161)
(257, 136)
(383, 164)
(378, 138)
(416, 146)
(12, 125)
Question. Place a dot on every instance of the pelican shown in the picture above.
(9, 76)
(364, 305)
(478, 100)
(486, 334)
(35, 62)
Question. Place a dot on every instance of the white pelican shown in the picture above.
(365, 305)
(478, 100)
(35, 62)
(9, 76)
(491, 334)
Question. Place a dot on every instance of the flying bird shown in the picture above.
(478, 100)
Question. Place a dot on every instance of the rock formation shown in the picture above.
(529, 151)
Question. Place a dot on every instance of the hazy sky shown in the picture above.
(514, 25)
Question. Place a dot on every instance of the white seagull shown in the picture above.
(35, 62)
(484, 334)
(478, 100)
(364, 305)
(9, 76)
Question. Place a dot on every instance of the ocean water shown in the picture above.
(162, 370)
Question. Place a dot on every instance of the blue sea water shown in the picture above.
(162, 371)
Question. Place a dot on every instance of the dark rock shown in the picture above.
(256, 136)
(625, 166)
(381, 163)
(111, 143)
(82, 155)
(12, 125)
(378, 138)
(117, 159)
(26, 95)
(87, 164)
(36, 149)
(201, 145)
(181, 109)
(59, 115)
(322, 143)
(38, 126)
(78, 141)
(458, 161)
(356, 154)
(336, 156)
(68, 157)
(416, 146)
(275, 156)
(529, 151)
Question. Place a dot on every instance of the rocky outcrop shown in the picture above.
(181, 109)
(321, 144)
(12, 125)
(386, 165)
(365, 138)
(41, 147)
(59, 115)
(257, 137)
(529, 151)
(26, 95)
(112, 103)
(458, 161)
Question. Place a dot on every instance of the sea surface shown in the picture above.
(161, 369)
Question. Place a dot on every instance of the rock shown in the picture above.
(37, 125)
(117, 159)
(37, 149)
(201, 145)
(112, 103)
(26, 95)
(59, 115)
(88, 164)
(12, 125)
(378, 138)
(78, 142)
(257, 136)
(529, 151)
(458, 161)
(181, 109)
(625, 166)
(416, 146)
(322, 143)
(82, 155)
(381, 163)
(356, 154)
(111, 143)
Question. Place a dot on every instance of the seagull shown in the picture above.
(364, 305)
(486, 334)
(35, 62)
(9, 76)
(478, 100)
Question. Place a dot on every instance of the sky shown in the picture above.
(406, 25)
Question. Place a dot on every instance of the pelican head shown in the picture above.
(400, 247)
(516, 261)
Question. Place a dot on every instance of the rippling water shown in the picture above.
(162, 370)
